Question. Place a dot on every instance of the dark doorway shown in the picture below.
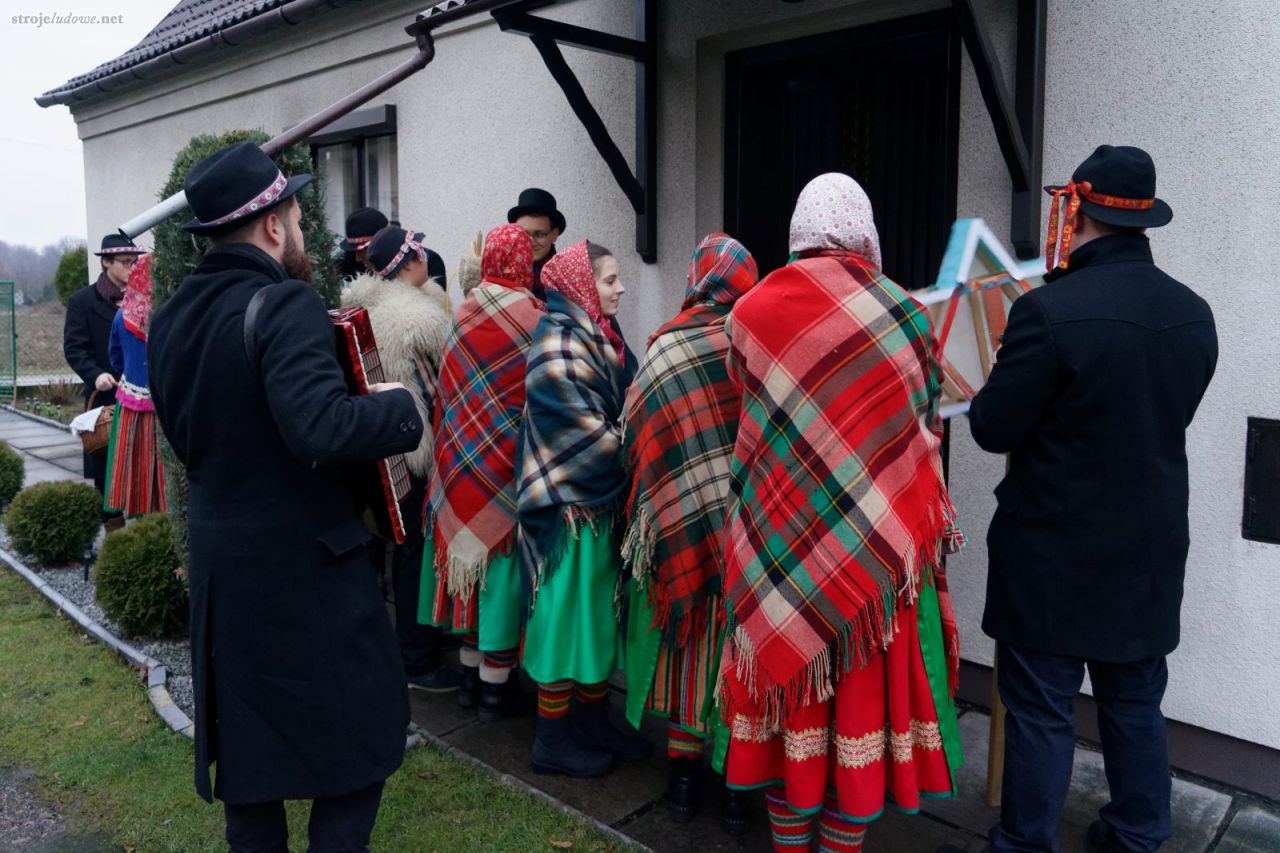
(880, 103)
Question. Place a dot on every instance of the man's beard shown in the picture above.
(297, 264)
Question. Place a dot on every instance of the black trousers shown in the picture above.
(419, 644)
(1038, 691)
(338, 824)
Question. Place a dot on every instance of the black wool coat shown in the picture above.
(1099, 376)
(298, 684)
(86, 335)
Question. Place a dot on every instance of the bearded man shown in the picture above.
(299, 689)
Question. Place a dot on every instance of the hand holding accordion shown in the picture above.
(379, 487)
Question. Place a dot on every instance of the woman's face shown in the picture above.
(609, 284)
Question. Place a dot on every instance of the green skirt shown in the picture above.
(573, 632)
(499, 600)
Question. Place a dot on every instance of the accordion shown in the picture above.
(380, 486)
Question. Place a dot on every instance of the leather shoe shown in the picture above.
(556, 751)
(684, 788)
(504, 700)
(593, 729)
(469, 689)
(735, 811)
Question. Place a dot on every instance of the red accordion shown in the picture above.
(381, 486)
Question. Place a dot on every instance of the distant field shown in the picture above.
(40, 338)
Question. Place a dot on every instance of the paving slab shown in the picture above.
(38, 471)
(26, 428)
(1198, 811)
(654, 828)
(59, 452)
(1253, 830)
(629, 788)
(49, 438)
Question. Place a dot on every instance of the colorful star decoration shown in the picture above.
(977, 269)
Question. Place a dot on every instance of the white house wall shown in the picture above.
(1196, 84)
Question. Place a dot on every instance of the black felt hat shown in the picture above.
(536, 202)
(233, 185)
(361, 225)
(1121, 188)
(118, 244)
(391, 248)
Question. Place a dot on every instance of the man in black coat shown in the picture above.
(1098, 378)
(86, 334)
(298, 685)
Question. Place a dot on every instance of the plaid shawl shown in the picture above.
(482, 392)
(838, 502)
(571, 462)
(680, 423)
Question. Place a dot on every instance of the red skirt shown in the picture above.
(135, 475)
(876, 741)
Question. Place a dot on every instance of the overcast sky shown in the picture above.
(41, 165)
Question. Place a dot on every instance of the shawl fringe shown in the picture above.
(869, 632)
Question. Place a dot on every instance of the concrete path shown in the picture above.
(630, 798)
(50, 453)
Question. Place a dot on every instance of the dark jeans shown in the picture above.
(1038, 691)
(419, 644)
(338, 824)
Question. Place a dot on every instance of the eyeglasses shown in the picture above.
(538, 236)
(126, 261)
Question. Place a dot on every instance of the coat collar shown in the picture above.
(241, 256)
(1112, 249)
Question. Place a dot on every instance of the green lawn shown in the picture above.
(80, 720)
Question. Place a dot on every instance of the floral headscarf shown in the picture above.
(508, 257)
(136, 303)
(833, 213)
(570, 273)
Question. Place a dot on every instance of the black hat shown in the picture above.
(233, 185)
(361, 225)
(118, 244)
(391, 248)
(1122, 188)
(536, 202)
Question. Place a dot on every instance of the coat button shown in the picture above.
(404, 427)
(413, 427)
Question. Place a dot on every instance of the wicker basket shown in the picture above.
(101, 436)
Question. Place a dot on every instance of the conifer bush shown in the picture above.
(135, 579)
(12, 473)
(54, 522)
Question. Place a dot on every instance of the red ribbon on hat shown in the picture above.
(1072, 193)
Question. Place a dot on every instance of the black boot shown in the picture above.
(735, 811)
(684, 789)
(556, 751)
(592, 729)
(469, 690)
(504, 700)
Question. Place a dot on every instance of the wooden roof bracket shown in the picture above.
(547, 37)
(1019, 122)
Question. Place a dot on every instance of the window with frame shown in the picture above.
(357, 160)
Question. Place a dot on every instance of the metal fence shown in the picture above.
(8, 343)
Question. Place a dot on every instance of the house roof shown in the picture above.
(191, 29)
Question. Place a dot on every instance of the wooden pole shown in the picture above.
(995, 743)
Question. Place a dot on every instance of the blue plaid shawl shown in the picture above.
(571, 458)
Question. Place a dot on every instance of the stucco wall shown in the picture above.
(1198, 87)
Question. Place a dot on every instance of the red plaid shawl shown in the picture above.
(482, 394)
(680, 422)
(838, 500)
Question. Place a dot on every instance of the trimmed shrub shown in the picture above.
(12, 473)
(177, 253)
(135, 579)
(71, 274)
(54, 522)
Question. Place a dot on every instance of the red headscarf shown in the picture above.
(570, 273)
(508, 257)
(136, 304)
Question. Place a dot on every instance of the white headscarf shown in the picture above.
(833, 212)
